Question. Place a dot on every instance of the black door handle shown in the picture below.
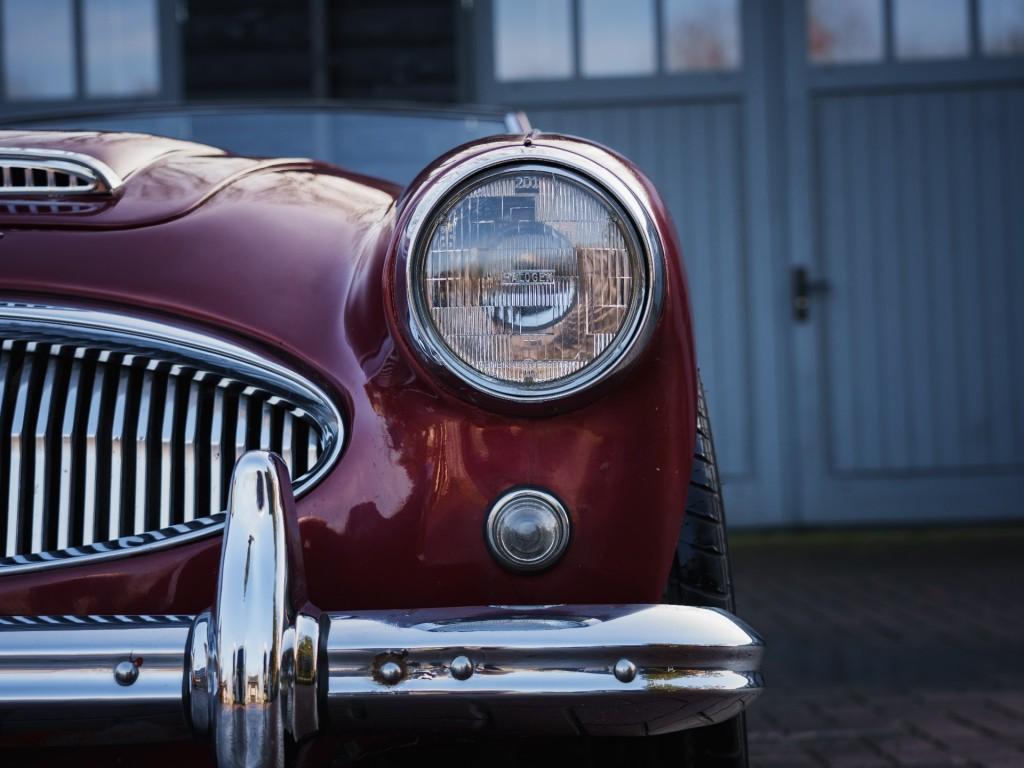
(803, 289)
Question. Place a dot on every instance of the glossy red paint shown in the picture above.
(293, 260)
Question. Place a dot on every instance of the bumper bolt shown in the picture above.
(390, 672)
(461, 668)
(126, 672)
(625, 670)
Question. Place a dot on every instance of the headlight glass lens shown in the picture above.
(531, 276)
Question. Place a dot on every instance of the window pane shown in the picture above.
(39, 49)
(701, 34)
(122, 48)
(1002, 27)
(844, 31)
(532, 39)
(928, 29)
(616, 38)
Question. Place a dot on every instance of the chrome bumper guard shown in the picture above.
(265, 669)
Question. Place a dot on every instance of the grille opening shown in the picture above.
(100, 444)
(18, 177)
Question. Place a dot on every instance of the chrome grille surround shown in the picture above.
(52, 172)
(118, 434)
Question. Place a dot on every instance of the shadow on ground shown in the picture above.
(901, 648)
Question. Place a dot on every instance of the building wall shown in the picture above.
(871, 146)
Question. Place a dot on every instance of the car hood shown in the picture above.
(163, 179)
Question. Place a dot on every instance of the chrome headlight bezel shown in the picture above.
(444, 189)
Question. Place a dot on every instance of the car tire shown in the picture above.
(701, 575)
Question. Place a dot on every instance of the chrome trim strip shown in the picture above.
(444, 188)
(129, 335)
(100, 177)
(251, 673)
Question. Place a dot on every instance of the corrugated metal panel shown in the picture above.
(921, 235)
(693, 154)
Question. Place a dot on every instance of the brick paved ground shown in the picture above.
(887, 649)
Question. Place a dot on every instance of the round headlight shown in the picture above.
(529, 281)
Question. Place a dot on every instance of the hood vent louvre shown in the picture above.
(50, 173)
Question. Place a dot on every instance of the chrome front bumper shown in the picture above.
(264, 668)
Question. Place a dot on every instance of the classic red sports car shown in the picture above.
(309, 466)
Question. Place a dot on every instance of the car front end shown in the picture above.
(287, 452)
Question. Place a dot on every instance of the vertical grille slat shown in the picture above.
(266, 429)
(65, 501)
(166, 448)
(8, 372)
(117, 455)
(191, 448)
(90, 474)
(312, 446)
(30, 479)
(17, 444)
(286, 439)
(241, 426)
(53, 454)
(216, 448)
(141, 505)
(98, 444)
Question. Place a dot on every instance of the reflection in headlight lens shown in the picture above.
(530, 276)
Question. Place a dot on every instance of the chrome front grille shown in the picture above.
(106, 435)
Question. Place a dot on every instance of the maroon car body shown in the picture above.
(292, 258)
(376, 600)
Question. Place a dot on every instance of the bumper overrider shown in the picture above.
(264, 669)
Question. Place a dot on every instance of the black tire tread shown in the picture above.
(701, 575)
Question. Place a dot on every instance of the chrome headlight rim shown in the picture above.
(623, 194)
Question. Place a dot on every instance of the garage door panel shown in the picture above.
(919, 238)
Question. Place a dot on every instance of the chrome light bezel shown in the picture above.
(622, 194)
(507, 559)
